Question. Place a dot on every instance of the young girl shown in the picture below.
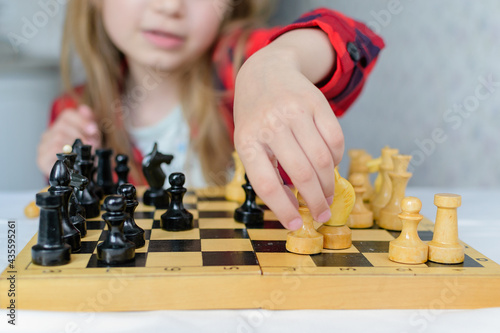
(170, 70)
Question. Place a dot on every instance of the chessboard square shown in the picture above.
(160, 234)
(175, 245)
(268, 225)
(143, 249)
(144, 215)
(223, 233)
(95, 225)
(229, 258)
(372, 246)
(189, 199)
(215, 214)
(219, 198)
(468, 262)
(217, 206)
(269, 216)
(208, 193)
(147, 234)
(221, 223)
(78, 260)
(190, 206)
(143, 208)
(268, 234)
(138, 261)
(210, 245)
(183, 259)
(103, 235)
(382, 260)
(371, 235)
(269, 246)
(341, 260)
(284, 260)
(87, 246)
(425, 235)
(145, 224)
(157, 224)
(351, 249)
(92, 235)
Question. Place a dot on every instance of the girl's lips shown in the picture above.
(162, 39)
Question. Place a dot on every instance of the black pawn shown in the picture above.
(121, 169)
(151, 168)
(51, 250)
(132, 231)
(115, 249)
(76, 211)
(176, 218)
(59, 180)
(249, 213)
(104, 172)
(86, 196)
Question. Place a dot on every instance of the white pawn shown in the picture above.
(408, 248)
(306, 240)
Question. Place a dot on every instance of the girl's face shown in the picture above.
(163, 34)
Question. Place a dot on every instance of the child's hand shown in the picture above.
(281, 116)
(69, 126)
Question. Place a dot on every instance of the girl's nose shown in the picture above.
(168, 7)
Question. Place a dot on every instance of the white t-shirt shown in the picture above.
(172, 135)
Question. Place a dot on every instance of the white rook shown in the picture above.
(444, 247)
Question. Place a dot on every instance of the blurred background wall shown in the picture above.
(434, 93)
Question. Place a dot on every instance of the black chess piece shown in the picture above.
(86, 197)
(51, 250)
(249, 212)
(78, 182)
(151, 167)
(176, 218)
(77, 143)
(121, 169)
(132, 231)
(104, 172)
(115, 249)
(59, 180)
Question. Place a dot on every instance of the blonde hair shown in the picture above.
(84, 34)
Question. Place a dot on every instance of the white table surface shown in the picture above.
(479, 226)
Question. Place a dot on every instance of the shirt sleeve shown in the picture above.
(356, 46)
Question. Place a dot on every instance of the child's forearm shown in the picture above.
(308, 50)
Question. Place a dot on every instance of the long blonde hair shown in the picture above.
(84, 34)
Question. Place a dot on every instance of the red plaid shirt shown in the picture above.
(356, 46)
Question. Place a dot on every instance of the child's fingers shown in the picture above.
(269, 187)
(86, 111)
(303, 175)
(72, 125)
(317, 152)
(331, 131)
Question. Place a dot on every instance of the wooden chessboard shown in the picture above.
(220, 264)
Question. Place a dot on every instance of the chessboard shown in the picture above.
(221, 264)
